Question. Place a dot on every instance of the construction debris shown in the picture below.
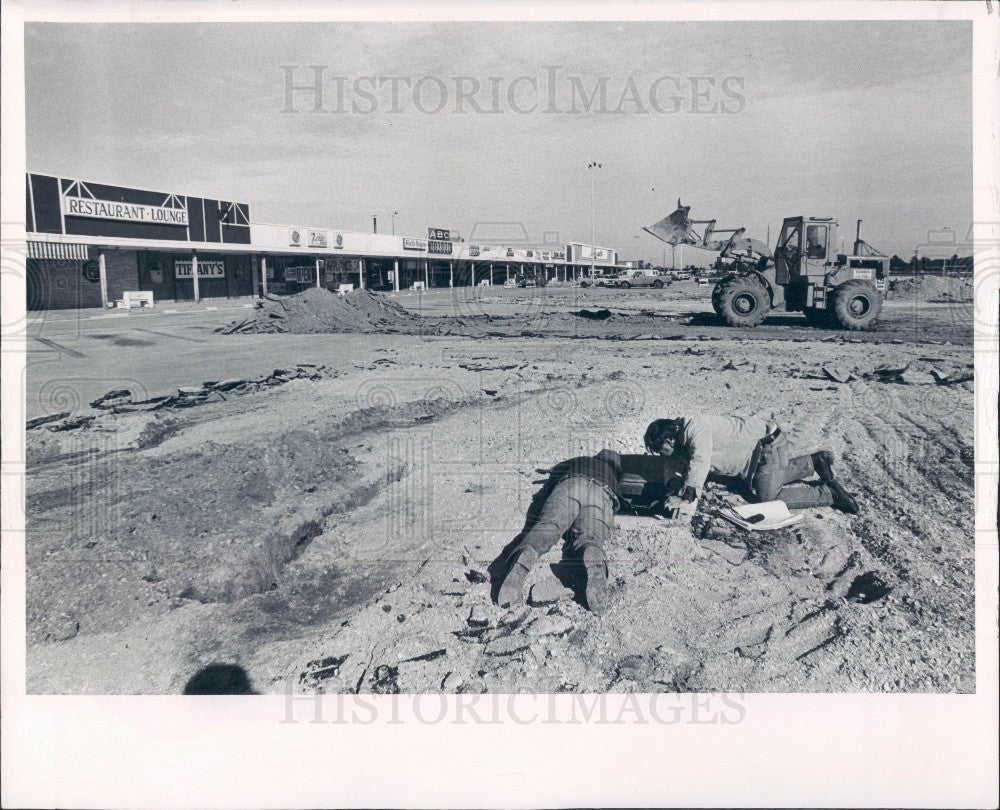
(553, 625)
(507, 645)
(479, 617)
(952, 379)
(838, 374)
(594, 314)
(889, 374)
(120, 400)
(548, 592)
(112, 398)
(44, 420)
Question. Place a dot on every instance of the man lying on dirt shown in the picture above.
(585, 494)
(750, 449)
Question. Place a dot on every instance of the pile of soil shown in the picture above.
(319, 310)
(934, 288)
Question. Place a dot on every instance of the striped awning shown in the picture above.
(57, 250)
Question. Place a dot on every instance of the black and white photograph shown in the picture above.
(465, 356)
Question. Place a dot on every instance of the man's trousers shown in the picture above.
(778, 477)
(578, 505)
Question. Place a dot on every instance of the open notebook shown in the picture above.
(760, 516)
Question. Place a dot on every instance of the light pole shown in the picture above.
(593, 166)
(394, 215)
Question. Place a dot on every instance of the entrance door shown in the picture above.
(788, 252)
(817, 243)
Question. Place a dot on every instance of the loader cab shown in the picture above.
(806, 247)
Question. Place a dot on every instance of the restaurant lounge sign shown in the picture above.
(130, 212)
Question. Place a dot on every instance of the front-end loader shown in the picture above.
(803, 274)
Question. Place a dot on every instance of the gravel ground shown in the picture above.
(334, 530)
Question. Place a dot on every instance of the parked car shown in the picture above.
(600, 280)
(640, 279)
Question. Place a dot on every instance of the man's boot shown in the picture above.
(595, 565)
(842, 499)
(512, 588)
(823, 464)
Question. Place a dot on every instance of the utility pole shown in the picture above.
(374, 224)
(593, 166)
(394, 215)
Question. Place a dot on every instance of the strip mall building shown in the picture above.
(89, 243)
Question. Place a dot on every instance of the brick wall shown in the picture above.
(123, 272)
(55, 284)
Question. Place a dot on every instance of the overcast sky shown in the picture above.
(866, 120)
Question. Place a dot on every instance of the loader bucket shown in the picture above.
(676, 228)
(745, 245)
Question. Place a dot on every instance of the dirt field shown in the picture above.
(324, 509)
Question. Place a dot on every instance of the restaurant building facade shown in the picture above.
(90, 243)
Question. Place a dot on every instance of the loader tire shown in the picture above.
(716, 298)
(856, 305)
(742, 301)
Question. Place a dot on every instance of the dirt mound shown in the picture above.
(934, 288)
(319, 310)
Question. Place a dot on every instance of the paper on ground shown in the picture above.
(760, 516)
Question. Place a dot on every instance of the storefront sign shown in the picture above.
(317, 239)
(212, 269)
(305, 274)
(338, 240)
(411, 243)
(473, 250)
(294, 237)
(440, 233)
(437, 246)
(131, 212)
(558, 254)
(341, 266)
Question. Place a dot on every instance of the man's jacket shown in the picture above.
(636, 480)
(723, 445)
(604, 468)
